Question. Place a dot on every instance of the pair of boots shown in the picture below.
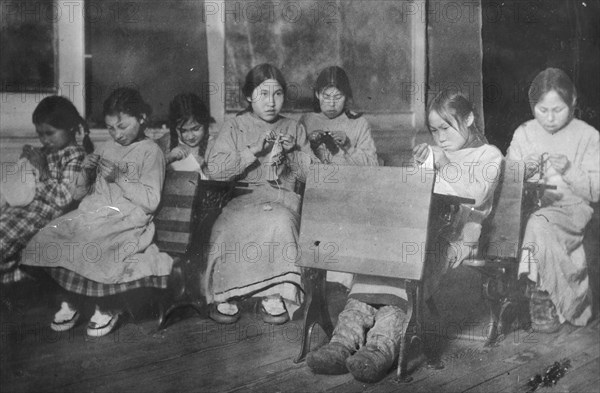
(347, 351)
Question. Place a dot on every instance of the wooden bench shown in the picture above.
(367, 220)
(188, 209)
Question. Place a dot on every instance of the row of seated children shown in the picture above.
(266, 149)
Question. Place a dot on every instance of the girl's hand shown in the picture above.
(532, 164)
(108, 170)
(260, 147)
(177, 154)
(90, 161)
(341, 139)
(37, 159)
(439, 157)
(315, 137)
(559, 162)
(288, 142)
(420, 153)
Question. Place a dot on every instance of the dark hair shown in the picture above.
(189, 106)
(333, 76)
(60, 113)
(454, 108)
(258, 75)
(130, 102)
(552, 79)
(126, 100)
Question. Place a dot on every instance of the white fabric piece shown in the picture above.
(18, 188)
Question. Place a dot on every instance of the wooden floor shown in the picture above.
(196, 354)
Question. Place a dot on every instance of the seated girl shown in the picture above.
(366, 340)
(336, 134)
(105, 246)
(254, 239)
(189, 123)
(45, 192)
(563, 151)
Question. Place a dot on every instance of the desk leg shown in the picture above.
(402, 371)
(316, 310)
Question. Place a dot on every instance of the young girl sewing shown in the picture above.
(564, 151)
(189, 123)
(376, 306)
(105, 246)
(258, 227)
(337, 134)
(53, 168)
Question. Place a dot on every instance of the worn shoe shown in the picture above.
(65, 318)
(224, 313)
(544, 318)
(369, 364)
(330, 359)
(102, 323)
(273, 311)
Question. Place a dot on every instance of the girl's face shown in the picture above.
(332, 101)
(53, 138)
(444, 134)
(123, 128)
(190, 132)
(552, 112)
(267, 100)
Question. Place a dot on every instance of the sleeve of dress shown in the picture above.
(515, 150)
(477, 179)
(584, 179)
(363, 152)
(59, 191)
(227, 160)
(143, 186)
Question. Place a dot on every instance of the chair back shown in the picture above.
(175, 218)
(503, 228)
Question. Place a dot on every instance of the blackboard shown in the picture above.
(158, 47)
(370, 40)
(27, 46)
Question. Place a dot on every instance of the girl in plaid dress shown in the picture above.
(57, 162)
(105, 246)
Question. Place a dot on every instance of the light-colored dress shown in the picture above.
(253, 245)
(106, 245)
(553, 254)
(473, 173)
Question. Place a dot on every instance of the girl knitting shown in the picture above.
(366, 340)
(564, 151)
(55, 165)
(256, 229)
(189, 122)
(337, 134)
(105, 246)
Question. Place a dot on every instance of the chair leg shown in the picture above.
(316, 310)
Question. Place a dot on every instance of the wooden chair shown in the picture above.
(381, 230)
(189, 207)
(500, 249)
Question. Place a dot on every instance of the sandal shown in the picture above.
(273, 311)
(99, 325)
(65, 318)
(220, 317)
